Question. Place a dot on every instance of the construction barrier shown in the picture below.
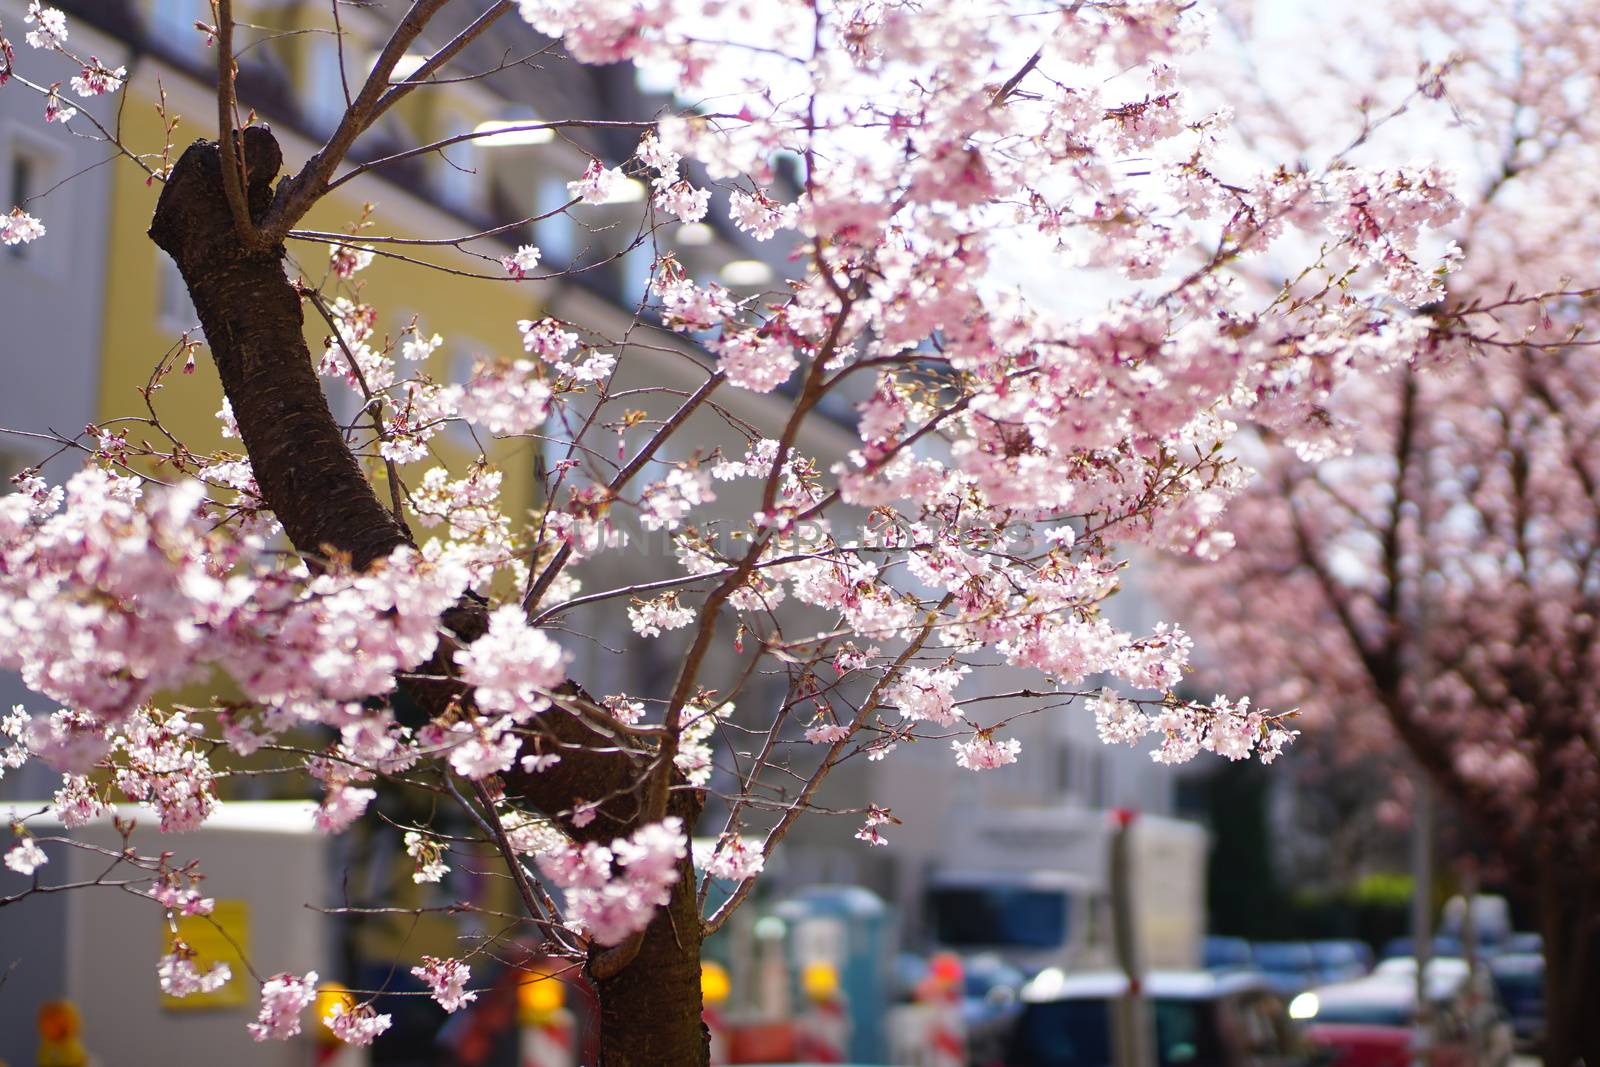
(822, 1031)
(59, 1041)
(714, 990)
(549, 1035)
(945, 1044)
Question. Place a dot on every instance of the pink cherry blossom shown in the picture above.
(598, 184)
(757, 215)
(520, 262)
(668, 502)
(357, 1024)
(26, 857)
(98, 79)
(429, 854)
(341, 807)
(754, 362)
(546, 339)
(736, 859)
(985, 753)
(180, 977)
(448, 980)
(513, 666)
(50, 26)
(683, 200)
(283, 998)
(347, 259)
(506, 398)
(56, 108)
(613, 892)
(650, 617)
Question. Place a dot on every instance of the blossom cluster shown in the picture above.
(612, 892)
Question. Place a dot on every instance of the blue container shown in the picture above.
(848, 927)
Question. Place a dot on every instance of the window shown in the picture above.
(172, 23)
(556, 236)
(29, 172)
(176, 309)
(1099, 788)
(1065, 778)
(323, 102)
(635, 271)
(999, 915)
(458, 165)
(24, 184)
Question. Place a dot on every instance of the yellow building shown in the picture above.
(295, 71)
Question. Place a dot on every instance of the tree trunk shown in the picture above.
(1570, 924)
(254, 325)
(650, 1010)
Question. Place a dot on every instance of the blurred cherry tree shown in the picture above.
(1435, 579)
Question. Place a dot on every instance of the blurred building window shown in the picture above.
(1099, 795)
(324, 101)
(457, 169)
(30, 167)
(636, 266)
(1066, 778)
(557, 235)
(172, 24)
(176, 310)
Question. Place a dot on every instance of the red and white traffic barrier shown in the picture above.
(717, 1027)
(822, 1031)
(946, 1043)
(550, 1041)
(549, 1032)
(945, 1039)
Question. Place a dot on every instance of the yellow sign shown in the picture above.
(221, 937)
(539, 996)
(820, 981)
(714, 983)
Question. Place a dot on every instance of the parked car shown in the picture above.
(989, 1005)
(1443, 947)
(1519, 980)
(1523, 943)
(1200, 1019)
(1370, 1022)
(1341, 960)
(1290, 967)
(1226, 954)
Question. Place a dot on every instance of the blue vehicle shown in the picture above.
(1519, 979)
(1227, 954)
(1443, 946)
(1199, 1019)
(1341, 960)
(1524, 944)
(1290, 967)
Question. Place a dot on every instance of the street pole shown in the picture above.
(1134, 1043)
(1469, 949)
(1422, 918)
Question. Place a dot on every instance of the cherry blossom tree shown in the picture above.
(1013, 446)
(1440, 575)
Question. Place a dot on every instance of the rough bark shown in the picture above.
(254, 325)
(1571, 927)
(650, 1009)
